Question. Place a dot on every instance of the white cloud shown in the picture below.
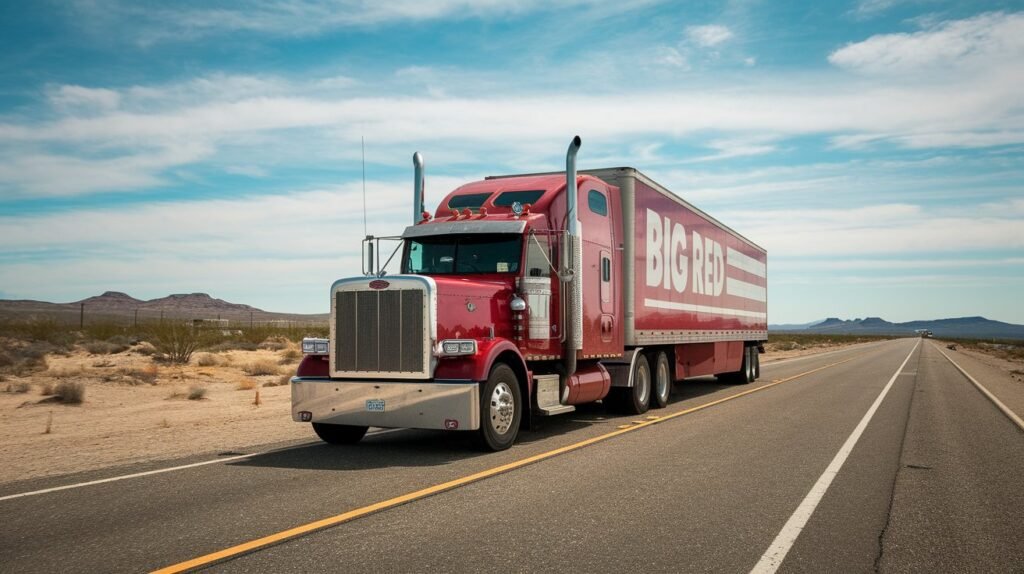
(988, 40)
(669, 56)
(71, 98)
(877, 230)
(40, 174)
(708, 36)
(223, 246)
(151, 25)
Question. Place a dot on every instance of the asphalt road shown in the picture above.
(933, 482)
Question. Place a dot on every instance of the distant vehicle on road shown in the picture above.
(526, 295)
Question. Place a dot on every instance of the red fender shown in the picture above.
(477, 367)
(314, 366)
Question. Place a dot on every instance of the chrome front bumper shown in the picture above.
(406, 404)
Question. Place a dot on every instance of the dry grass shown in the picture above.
(275, 343)
(19, 387)
(70, 392)
(145, 348)
(207, 360)
(46, 389)
(290, 355)
(259, 368)
(146, 375)
(196, 393)
(246, 385)
(284, 380)
(104, 347)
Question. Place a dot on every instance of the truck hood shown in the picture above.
(468, 306)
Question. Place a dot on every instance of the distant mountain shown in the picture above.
(970, 327)
(184, 305)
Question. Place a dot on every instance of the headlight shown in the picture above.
(311, 346)
(456, 347)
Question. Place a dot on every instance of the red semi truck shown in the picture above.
(523, 296)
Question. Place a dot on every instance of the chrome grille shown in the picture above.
(379, 331)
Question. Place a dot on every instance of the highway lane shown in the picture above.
(705, 491)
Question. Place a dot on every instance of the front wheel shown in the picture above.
(339, 434)
(501, 409)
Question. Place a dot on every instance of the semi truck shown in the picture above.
(524, 296)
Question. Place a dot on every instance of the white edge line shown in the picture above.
(776, 553)
(999, 404)
(169, 469)
(126, 476)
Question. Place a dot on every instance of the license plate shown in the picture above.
(375, 405)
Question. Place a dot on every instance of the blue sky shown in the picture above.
(874, 147)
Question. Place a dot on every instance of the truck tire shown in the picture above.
(636, 399)
(339, 434)
(662, 381)
(756, 354)
(742, 376)
(501, 409)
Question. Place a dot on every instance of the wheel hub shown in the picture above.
(503, 408)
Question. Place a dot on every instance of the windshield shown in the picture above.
(455, 254)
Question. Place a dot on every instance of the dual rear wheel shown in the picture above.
(652, 386)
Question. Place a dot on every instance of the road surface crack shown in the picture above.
(896, 476)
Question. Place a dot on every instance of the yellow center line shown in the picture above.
(469, 479)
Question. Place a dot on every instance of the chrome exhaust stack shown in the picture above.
(417, 193)
(572, 313)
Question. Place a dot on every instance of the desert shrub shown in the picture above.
(122, 340)
(146, 375)
(232, 345)
(246, 385)
(290, 355)
(258, 368)
(207, 360)
(283, 380)
(196, 393)
(46, 389)
(29, 366)
(175, 341)
(5, 360)
(19, 387)
(70, 392)
(145, 348)
(275, 343)
(103, 330)
(104, 347)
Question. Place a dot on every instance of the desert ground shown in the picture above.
(137, 408)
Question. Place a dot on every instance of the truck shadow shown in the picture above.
(398, 448)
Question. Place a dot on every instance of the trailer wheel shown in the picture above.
(756, 355)
(742, 376)
(339, 434)
(501, 409)
(662, 381)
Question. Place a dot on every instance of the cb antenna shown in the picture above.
(362, 144)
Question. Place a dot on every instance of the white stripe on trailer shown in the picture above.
(745, 263)
(672, 305)
(746, 290)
